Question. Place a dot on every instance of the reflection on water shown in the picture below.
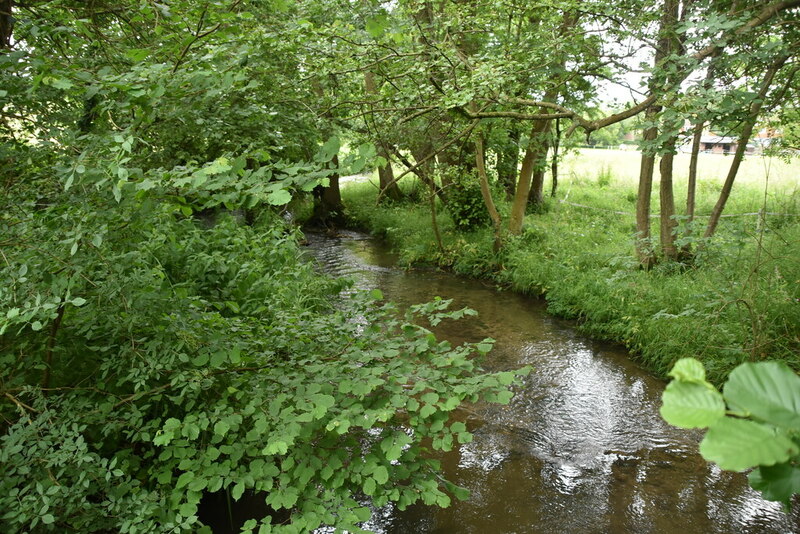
(580, 449)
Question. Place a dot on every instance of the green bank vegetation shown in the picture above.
(735, 300)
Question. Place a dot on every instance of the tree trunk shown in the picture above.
(533, 155)
(744, 137)
(524, 181)
(692, 186)
(536, 195)
(644, 249)
(507, 162)
(486, 192)
(386, 177)
(554, 160)
(6, 23)
(328, 209)
(388, 187)
(667, 202)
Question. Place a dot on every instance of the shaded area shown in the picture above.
(581, 448)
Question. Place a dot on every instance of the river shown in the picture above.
(580, 449)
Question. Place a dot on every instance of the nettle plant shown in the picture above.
(754, 423)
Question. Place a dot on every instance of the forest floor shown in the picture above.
(737, 300)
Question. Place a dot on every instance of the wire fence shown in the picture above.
(657, 215)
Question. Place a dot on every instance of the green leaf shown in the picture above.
(78, 301)
(48, 519)
(369, 486)
(187, 509)
(738, 444)
(688, 370)
(691, 405)
(184, 479)
(769, 391)
(201, 360)
(329, 149)
(218, 358)
(279, 198)
(221, 428)
(59, 83)
(218, 166)
(363, 513)
(504, 397)
(237, 491)
(381, 475)
(776, 482)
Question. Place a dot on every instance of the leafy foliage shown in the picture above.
(760, 429)
(161, 337)
(464, 201)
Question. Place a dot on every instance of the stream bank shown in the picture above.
(721, 310)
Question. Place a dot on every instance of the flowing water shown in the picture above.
(581, 447)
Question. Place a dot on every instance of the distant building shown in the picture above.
(715, 144)
(711, 143)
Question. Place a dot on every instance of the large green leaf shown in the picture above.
(279, 197)
(737, 444)
(691, 405)
(689, 370)
(770, 391)
(777, 482)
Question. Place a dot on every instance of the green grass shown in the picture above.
(736, 302)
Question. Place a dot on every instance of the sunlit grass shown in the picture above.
(624, 164)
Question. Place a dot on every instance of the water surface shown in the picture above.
(580, 449)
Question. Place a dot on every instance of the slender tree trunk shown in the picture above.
(486, 192)
(536, 196)
(507, 162)
(692, 186)
(51, 344)
(434, 223)
(386, 178)
(667, 202)
(644, 249)
(554, 160)
(328, 208)
(524, 181)
(741, 147)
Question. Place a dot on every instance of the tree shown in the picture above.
(155, 348)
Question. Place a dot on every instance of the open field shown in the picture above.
(623, 166)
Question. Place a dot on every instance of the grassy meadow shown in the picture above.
(737, 300)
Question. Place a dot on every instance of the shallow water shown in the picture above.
(580, 449)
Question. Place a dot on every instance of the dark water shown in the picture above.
(581, 447)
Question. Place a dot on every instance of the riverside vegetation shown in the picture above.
(735, 301)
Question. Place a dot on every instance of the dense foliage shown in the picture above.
(161, 337)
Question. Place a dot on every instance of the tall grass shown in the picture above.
(738, 300)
